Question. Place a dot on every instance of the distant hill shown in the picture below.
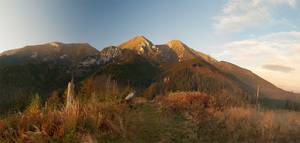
(38, 69)
(50, 51)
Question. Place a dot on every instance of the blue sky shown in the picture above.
(261, 35)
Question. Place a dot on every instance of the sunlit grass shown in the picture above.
(176, 117)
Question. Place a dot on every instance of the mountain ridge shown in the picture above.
(173, 50)
(138, 63)
(183, 53)
(52, 51)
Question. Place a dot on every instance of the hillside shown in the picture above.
(179, 54)
(253, 80)
(39, 69)
(137, 64)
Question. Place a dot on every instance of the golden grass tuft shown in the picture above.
(182, 100)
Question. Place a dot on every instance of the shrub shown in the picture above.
(53, 102)
(179, 101)
(35, 105)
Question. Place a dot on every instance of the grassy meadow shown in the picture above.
(176, 117)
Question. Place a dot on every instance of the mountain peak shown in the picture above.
(183, 51)
(140, 38)
(55, 44)
(139, 44)
(138, 41)
(173, 48)
(177, 44)
(61, 44)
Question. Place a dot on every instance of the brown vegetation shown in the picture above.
(231, 123)
(175, 117)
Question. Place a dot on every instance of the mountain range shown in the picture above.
(147, 68)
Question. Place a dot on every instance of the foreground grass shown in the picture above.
(232, 124)
(177, 117)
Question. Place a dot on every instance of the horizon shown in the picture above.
(260, 35)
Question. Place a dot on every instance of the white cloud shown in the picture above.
(281, 49)
(241, 14)
(279, 68)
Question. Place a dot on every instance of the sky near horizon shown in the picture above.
(260, 35)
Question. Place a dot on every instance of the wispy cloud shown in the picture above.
(268, 54)
(241, 14)
(280, 68)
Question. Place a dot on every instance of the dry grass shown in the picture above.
(177, 117)
(208, 123)
(182, 100)
(80, 122)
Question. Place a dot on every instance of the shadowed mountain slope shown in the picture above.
(39, 69)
